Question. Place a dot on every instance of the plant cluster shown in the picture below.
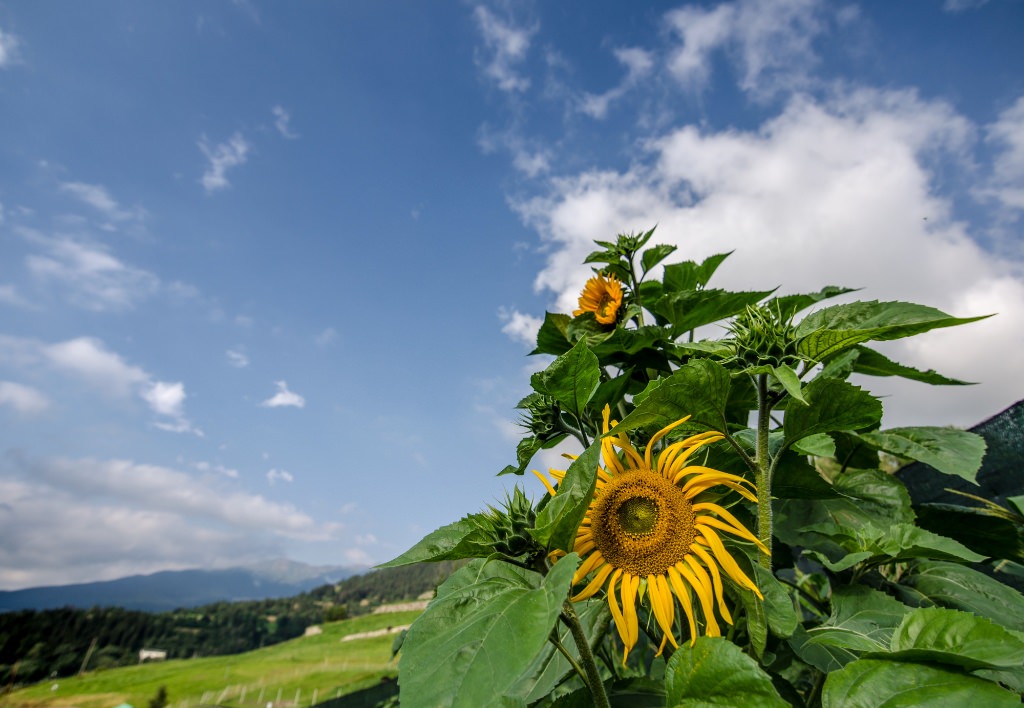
(726, 533)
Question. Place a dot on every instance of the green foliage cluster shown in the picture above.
(862, 605)
(35, 645)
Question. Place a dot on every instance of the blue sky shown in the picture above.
(269, 271)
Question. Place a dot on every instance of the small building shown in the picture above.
(312, 630)
(151, 655)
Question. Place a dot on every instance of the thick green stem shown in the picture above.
(596, 685)
(764, 471)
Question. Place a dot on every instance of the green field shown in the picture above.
(318, 667)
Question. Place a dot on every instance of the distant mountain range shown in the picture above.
(169, 590)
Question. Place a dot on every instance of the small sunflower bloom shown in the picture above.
(601, 295)
(646, 535)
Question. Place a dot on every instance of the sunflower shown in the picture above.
(602, 295)
(646, 533)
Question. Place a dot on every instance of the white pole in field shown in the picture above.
(313, 702)
(259, 701)
(242, 698)
(298, 691)
(278, 696)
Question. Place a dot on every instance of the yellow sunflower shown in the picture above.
(646, 534)
(602, 295)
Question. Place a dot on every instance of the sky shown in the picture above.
(269, 272)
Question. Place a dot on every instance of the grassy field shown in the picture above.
(295, 673)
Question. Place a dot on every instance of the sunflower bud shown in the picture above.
(541, 417)
(509, 527)
(761, 336)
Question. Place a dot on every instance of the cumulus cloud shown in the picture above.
(284, 397)
(120, 517)
(222, 157)
(88, 360)
(1007, 135)
(826, 192)
(520, 326)
(638, 63)
(282, 121)
(506, 46)
(23, 399)
(770, 42)
(90, 276)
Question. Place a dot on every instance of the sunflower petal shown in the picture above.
(727, 562)
(684, 599)
(545, 482)
(593, 561)
(602, 574)
(716, 579)
(706, 601)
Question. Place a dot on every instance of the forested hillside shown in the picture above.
(38, 644)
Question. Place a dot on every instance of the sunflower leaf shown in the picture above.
(789, 305)
(689, 309)
(872, 682)
(716, 672)
(833, 405)
(558, 521)
(571, 379)
(869, 362)
(699, 389)
(690, 275)
(462, 539)
(481, 633)
(958, 587)
(552, 337)
(951, 451)
(827, 332)
(936, 634)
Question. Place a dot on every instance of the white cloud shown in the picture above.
(99, 198)
(88, 360)
(1007, 181)
(825, 193)
(8, 49)
(237, 358)
(220, 469)
(9, 295)
(92, 277)
(327, 337)
(221, 158)
(119, 517)
(23, 399)
(638, 63)
(282, 120)
(275, 474)
(520, 327)
(963, 5)
(507, 46)
(284, 397)
(769, 40)
(528, 158)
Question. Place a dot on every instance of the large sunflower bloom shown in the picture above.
(646, 534)
(602, 295)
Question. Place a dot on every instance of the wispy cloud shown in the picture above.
(222, 157)
(8, 49)
(23, 399)
(638, 63)
(97, 196)
(282, 121)
(327, 337)
(276, 475)
(506, 46)
(87, 272)
(284, 397)
(237, 358)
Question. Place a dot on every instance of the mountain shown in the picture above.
(171, 589)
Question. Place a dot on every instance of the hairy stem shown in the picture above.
(594, 682)
(764, 469)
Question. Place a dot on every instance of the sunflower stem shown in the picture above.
(594, 682)
(764, 469)
(569, 657)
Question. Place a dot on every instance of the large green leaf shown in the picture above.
(622, 693)
(482, 632)
(834, 329)
(690, 275)
(862, 620)
(571, 379)
(796, 479)
(834, 405)
(716, 672)
(656, 254)
(874, 683)
(699, 389)
(462, 539)
(527, 448)
(945, 636)
(689, 309)
(550, 667)
(776, 612)
(558, 521)
(952, 451)
(868, 361)
(552, 338)
(977, 528)
(959, 587)
(873, 545)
